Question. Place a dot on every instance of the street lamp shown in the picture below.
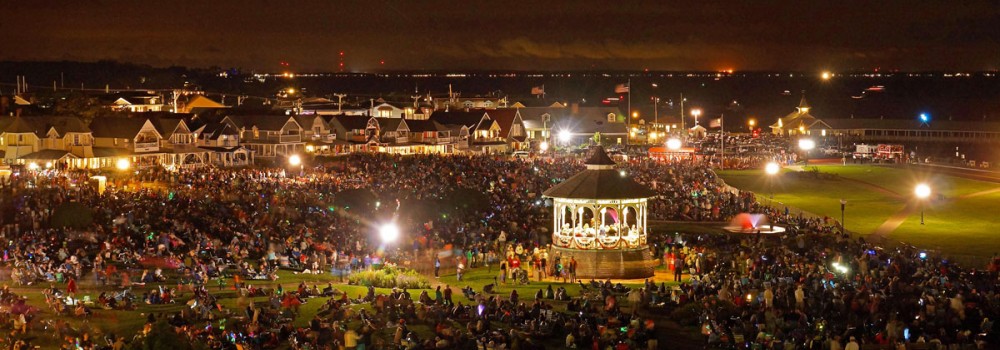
(922, 191)
(122, 164)
(826, 75)
(296, 161)
(696, 112)
(771, 169)
(389, 233)
(807, 144)
(674, 144)
(752, 122)
(565, 135)
(544, 146)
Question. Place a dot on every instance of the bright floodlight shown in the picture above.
(922, 191)
(294, 160)
(806, 144)
(544, 146)
(32, 166)
(826, 75)
(696, 112)
(673, 144)
(388, 233)
(924, 117)
(565, 135)
(122, 164)
(772, 168)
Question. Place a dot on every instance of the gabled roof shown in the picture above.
(167, 126)
(506, 117)
(262, 122)
(19, 125)
(425, 125)
(224, 127)
(308, 121)
(470, 119)
(117, 127)
(392, 124)
(350, 122)
(199, 101)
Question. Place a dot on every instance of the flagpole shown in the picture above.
(722, 134)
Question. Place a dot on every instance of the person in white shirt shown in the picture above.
(852, 345)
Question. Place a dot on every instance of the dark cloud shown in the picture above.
(513, 34)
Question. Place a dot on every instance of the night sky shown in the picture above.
(521, 35)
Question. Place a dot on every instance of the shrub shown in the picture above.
(389, 277)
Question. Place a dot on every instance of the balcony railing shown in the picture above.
(290, 138)
(146, 146)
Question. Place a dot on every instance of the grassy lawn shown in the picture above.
(955, 224)
(127, 323)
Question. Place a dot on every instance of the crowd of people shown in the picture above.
(160, 237)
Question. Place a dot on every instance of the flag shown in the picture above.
(715, 123)
(538, 90)
(621, 88)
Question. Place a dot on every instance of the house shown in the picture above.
(580, 123)
(270, 136)
(222, 138)
(459, 103)
(434, 137)
(512, 127)
(353, 132)
(18, 138)
(179, 144)
(136, 139)
(135, 102)
(485, 134)
(798, 122)
(393, 136)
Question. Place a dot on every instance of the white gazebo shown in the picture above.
(599, 218)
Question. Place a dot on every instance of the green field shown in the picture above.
(959, 216)
(127, 323)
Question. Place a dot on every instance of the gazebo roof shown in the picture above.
(599, 181)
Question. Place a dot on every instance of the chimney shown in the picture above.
(574, 108)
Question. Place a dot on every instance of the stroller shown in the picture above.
(521, 276)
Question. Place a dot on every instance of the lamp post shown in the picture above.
(751, 123)
(565, 136)
(806, 145)
(296, 161)
(123, 164)
(922, 191)
(771, 169)
(389, 233)
(696, 112)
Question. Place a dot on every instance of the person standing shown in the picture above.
(572, 270)
(437, 267)
(852, 345)
(678, 267)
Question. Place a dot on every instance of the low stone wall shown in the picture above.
(604, 264)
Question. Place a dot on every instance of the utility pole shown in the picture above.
(340, 101)
(683, 128)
